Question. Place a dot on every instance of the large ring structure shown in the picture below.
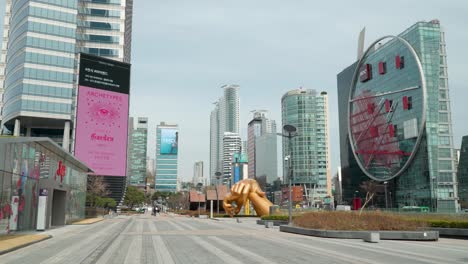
(387, 108)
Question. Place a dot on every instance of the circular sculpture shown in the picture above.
(386, 109)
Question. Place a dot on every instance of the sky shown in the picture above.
(184, 51)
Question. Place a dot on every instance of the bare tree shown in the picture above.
(96, 188)
(370, 187)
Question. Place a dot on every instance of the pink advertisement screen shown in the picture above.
(101, 130)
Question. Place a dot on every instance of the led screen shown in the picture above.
(102, 115)
(169, 141)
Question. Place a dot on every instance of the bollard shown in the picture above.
(372, 237)
(238, 220)
(269, 224)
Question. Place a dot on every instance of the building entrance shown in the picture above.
(58, 208)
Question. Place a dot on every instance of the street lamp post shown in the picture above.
(218, 176)
(386, 201)
(291, 132)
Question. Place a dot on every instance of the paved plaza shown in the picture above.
(177, 239)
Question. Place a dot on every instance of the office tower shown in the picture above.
(225, 117)
(138, 153)
(462, 174)
(266, 160)
(198, 177)
(307, 110)
(261, 126)
(38, 64)
(167, 153)
(104, 28)
(399, 130)
(231, 146)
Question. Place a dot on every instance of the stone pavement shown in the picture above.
(177, 239)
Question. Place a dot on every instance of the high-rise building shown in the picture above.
(198, 177)
(462, 174)
(260, 126)
(231, 145)
(38, 63)
(138, 153)
(266, 159)
(399, 130)
(224, 118)
(105, 28)
(167, 153)
(307, 110)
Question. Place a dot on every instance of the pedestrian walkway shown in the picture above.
(167, 239)
(9, 243)
(88, 221)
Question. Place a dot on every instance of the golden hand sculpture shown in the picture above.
(243, 190)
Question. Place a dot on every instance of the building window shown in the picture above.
(388, 105)
(382, 68)
(399, 62)
(407, 102)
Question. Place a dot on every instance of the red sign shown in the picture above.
(61, 171)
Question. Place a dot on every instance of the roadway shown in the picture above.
(178, 239)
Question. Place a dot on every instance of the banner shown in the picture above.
(102, 115)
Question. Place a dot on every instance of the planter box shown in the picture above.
(451, 232)
(275, 222)
(384, 235)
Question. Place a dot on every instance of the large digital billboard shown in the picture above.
(101, 128)
(169, 141)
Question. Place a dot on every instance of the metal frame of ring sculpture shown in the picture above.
(386, 110)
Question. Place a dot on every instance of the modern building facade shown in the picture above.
(225, 117)
(34, 168)
(462, 174)
(266, 159)
(259, 125)
(395, 120)
(231, 145)
(167, 153)
(307, 110)
(138, 153)
(39, 59)
(198, 176)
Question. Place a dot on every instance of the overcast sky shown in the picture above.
(184, 51)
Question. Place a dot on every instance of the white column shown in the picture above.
(28, 131)
(16, 130)
(66, 136)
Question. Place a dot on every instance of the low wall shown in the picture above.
(451, 232)
(384, 235)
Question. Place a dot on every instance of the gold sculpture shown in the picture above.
(241, 193)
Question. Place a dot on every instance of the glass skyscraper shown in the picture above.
(224, 118)
(167, 146)
(138, 151)
(430, 177)
(39, 59)
(265, 148)
(307, 110)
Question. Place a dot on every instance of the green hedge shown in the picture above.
(448, 224)
(276, 217)
(226, 215)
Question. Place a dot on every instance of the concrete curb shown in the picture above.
(24, 245)
(451, 232)
(384, 235)
(275, 222)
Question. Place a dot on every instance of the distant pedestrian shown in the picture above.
(157, 210)
(154, 211)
